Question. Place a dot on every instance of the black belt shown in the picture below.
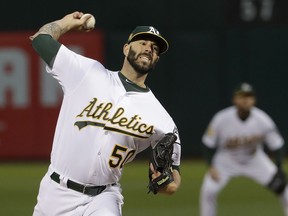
(89, 190)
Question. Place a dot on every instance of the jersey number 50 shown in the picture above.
(120, 155)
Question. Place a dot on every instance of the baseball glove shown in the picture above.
(161, 159)
(278, 182)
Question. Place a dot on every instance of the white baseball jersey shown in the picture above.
(241, 139)
(101, 126)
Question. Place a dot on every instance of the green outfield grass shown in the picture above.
(19, 186)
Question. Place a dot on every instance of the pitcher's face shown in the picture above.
(143, 55)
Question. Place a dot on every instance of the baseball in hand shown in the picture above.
(90, 23)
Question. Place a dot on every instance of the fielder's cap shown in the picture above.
(149, 32)
(244, 89)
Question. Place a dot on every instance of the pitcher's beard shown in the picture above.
(140, 68)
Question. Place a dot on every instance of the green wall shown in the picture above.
(211, 51)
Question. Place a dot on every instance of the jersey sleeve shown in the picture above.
(69, 68)
(176, 156)
(273, 138)
(210, 136)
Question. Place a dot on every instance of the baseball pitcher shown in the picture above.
(106, 119)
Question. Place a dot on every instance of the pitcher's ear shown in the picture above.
(126, 48)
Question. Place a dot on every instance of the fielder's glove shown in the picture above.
(278, 182)
(161, 159)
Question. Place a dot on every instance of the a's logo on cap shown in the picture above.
(246, 87)
(149, 32)
(153, 30)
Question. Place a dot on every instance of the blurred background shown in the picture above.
(214, 45)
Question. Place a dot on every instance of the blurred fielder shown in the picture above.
(233, 144)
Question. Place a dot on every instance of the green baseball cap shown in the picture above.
(245, 89)
(149, 32)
